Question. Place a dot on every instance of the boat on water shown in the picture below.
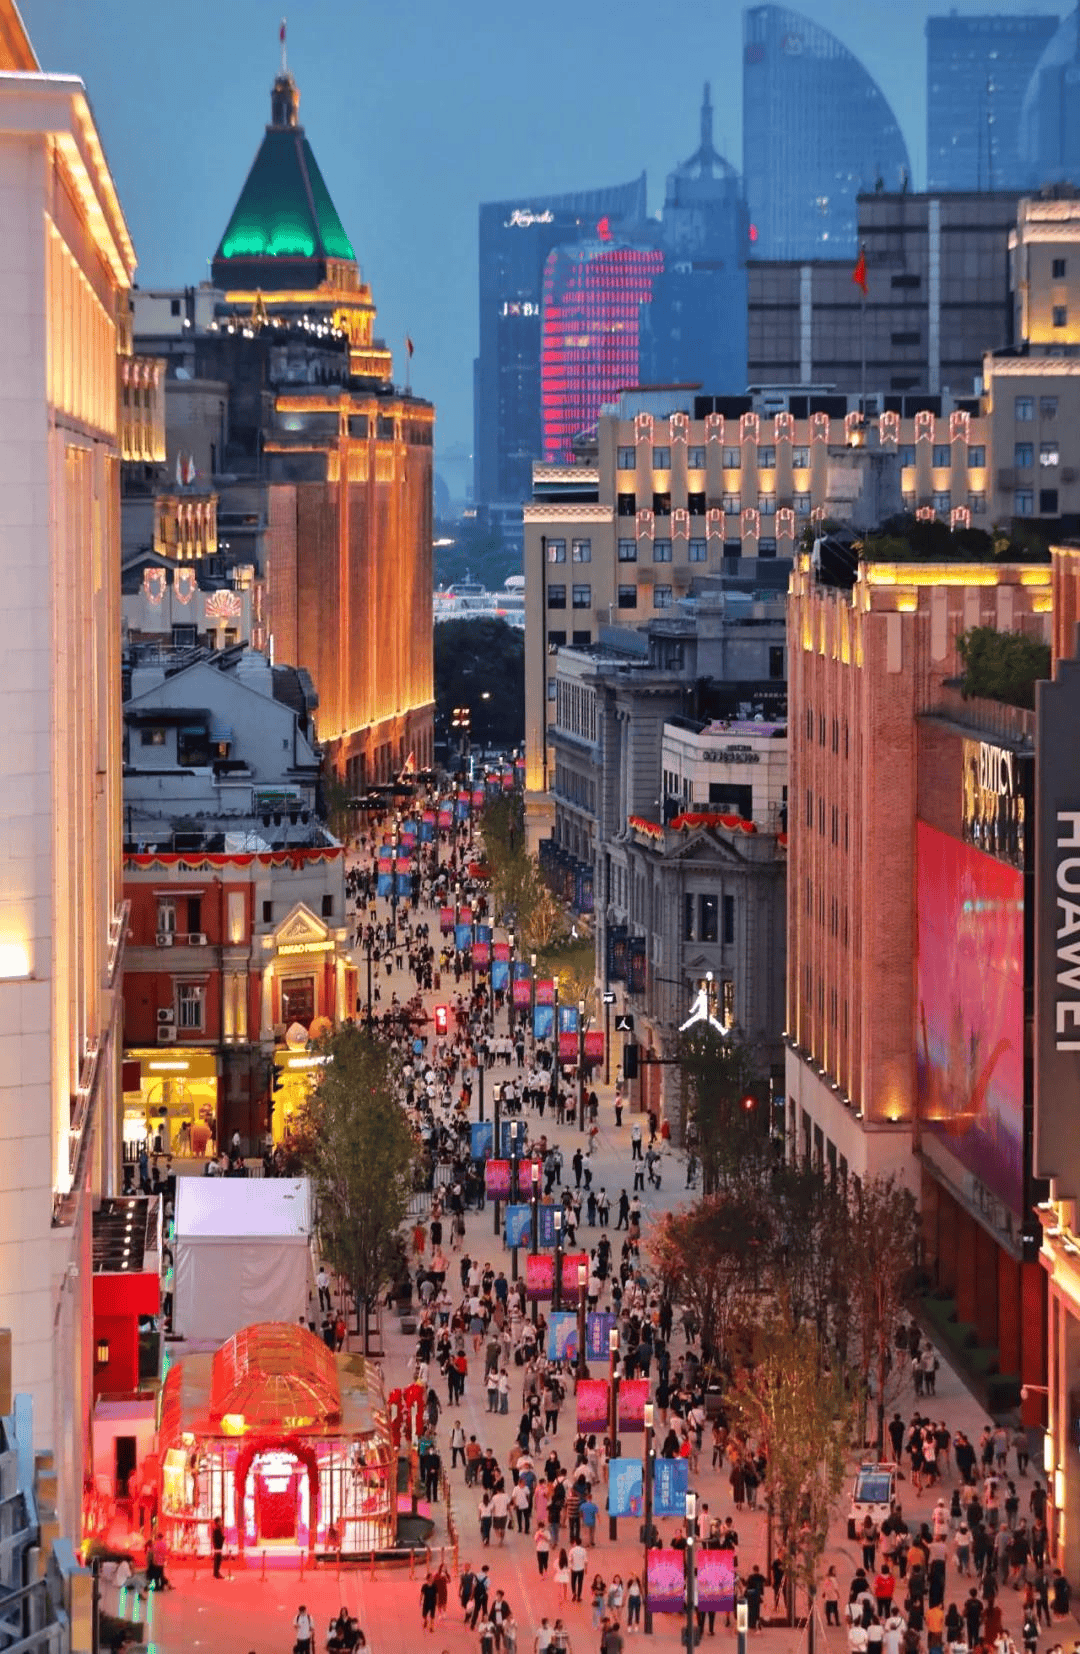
(468, 599)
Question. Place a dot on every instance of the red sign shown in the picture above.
(633, 1394)
(524, 1177)
(570, 1266)
(500, 950)
(592, 1405)
(481, 953)
(594, 1045)
(497, 1179)
(446, 920)
(545, 992)
(568, 1051)
(522, 994)
(465, 916)
(539, 1275)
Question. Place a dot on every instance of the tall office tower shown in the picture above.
(593, 298)
(694, 331)
(816, 131)
(1050, 114)
(515, 240)
(66, 267)
(977, 71)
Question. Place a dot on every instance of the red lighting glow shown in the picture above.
(753, 232)
(603, 229)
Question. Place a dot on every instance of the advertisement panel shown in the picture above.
(572, 1262)
(970, 1010)
(633, 1394)
(384, 884)
(547, 1230)
(522, 993)
(446, 920)
(665, 1582)
(501, 950)
(598, 1328)
(463, 938)
(543, 1021)
(1057, 930)
(446, 815)
(568, 1048)
(525, 1177)
(625, 1488)
(594, 1046)
(481, 953)
(481, 1138)
(562, 1337)
(500, 976)
(497, 1179)
(568, 1019)
(545, 992)
(539, 1275)
(714, 1581)
(671, 1478)
(592, 1405)
(518, 1225)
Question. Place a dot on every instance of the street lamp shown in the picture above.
(691, 1571)
(581, 1063)
(535, 1174)
(647, 1491)
(510, 983)
(583, 1283)
(554, 1099)
(556, 1285)
(497, 1140)
(613, 1412)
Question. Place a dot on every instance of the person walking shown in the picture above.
(578, 1563)
(562, 1574)
(217, 1540)
(304, 1626)
(429, 1602)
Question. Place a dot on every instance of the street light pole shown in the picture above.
(647, 1491)
(554, 1100)
(581, 1063)
(613, 1413)
(691, 1571)
(515, 1127)
(583, 1282)
(556, 1285)
(497, 1098)
(535, 1173)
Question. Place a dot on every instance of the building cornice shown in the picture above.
(568, 512)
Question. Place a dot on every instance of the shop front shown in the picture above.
(170, 1102)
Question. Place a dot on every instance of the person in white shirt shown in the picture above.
(304, 1626)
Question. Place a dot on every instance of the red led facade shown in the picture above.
(593, 296)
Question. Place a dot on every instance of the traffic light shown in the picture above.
(440, 1020)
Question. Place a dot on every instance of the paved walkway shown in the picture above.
(245, 1612)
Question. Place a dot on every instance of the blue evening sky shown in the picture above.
(417, 112)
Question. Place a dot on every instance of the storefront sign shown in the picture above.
(731, 755)
(1057, 930)
(996, 798)
(285, 949)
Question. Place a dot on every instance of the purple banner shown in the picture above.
(715, 1581)
(539, 1275)
(592, 1405)
(665, 1581)
(633, 1394)
(522, 994)
(497, 1179)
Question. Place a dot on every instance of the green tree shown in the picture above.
(360, 1158)
(709, 1257)
(481, 664)
(875, 1283)
(722, 1079)
(1002, 666)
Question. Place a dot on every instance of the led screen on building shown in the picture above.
(970, 1010)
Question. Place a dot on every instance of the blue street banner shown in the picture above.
(511, 1131)
(562, 1337)
(483, 933)
(500, 975)
(670, 1482)
(463, 938)
(519, 1225)
(624, 1487)
(483, 1138)
(384, 885)
(404, 884)
(547, 1226)
(598, 1329)
(568, 1019)
(427, 830)
(543, 1021)
(461, 809)
(521, 970)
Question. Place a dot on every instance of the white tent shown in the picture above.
(242, 1252)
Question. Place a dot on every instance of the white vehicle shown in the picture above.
(874, 1494)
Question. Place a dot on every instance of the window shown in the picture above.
(707, 913)
(1048, 407)
(1048, 454)
(627, 459)
(661, 551)
(906, 454)
(189, 1005)
(268, 913)
(909, 282)
(766, 458)
(688, 919)
(767, 505)
(732, 505)
(166, 916)
(1024, 503)
(661, 504)
(910, 337)
(729, 920)
(661, 459)
(627, 551)
(298, 1000)
(1061, 315)
(154, 737)
(1048, 502)
(581, 551)
(661, 597)
(977, 504)
(727, 1002)
(556, 639)
(556, 551)
(732, 459)
(695, 459)
(942, 502)
(1058, 270)
(800, 459)
(551, 689)
(556, 597)
(1023, 456)
(698, 551)
(976, 457)
(194, 915)
(809, 807)
(582, 597)
(582, 640)
(627, 597)
(766, 547)
(627, 505)
(695, 504)
(328, 907)
(942, 453)
(776, 661)
(1024, 409)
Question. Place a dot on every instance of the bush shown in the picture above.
(1002, 666)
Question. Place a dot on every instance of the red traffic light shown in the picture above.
(440, 1019)
(749, 1101)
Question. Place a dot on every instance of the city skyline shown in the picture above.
(407, 149)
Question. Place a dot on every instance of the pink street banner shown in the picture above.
(592, 1405)
(665, 1582)
(524, 1177)
(446, 920)
(545, 992)
(500, 950)
(570, 1265)
(522, 993)
(633, 1394)
(481, 953)
(497, 1179)
(715, 1581)
(539, 1275)
(594, 1045)
(465, 916)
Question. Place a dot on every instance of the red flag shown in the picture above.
(281, 32)
(409, 346)
(858, 275)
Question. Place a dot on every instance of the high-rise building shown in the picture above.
(66, 267)
(1050, 113)
(817, 130)
(515, 240)
(977, 71)
(594, 294)
(695, 328)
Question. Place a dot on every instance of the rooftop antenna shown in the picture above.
(284, 58)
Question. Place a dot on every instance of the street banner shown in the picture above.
(482, 1133)
(497, 1179)
(404, 884)
(568, 1019)
(543, 1021)
(562, 1337)
(633, 1394)
(568, 1048)
(427, 830)
(483, 933)
(522, 993)
(594, 1045)
(547, 1230)
(446, 920)
(478, 796)
(624, 1497)
(508, 780)
(384, 884)
(572, 1262)
(463, 938)
(446, 815)
(671, 1478)
(519, 1226)
(501, 951)
(461, 810)
(524, 1177)
(598, 1328)
(500, 975)
(592, 1406)
(545, 991)
(539, 1275)
(522, 970)
(481, 953)
(465, 915)
(665, 1582)
(715, 1571)
(511, 1133)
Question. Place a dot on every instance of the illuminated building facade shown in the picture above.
(593, 297)
(816, 131)
(977, 72)
(66, 267)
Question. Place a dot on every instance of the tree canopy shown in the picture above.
(481, 664)
(1002, 666)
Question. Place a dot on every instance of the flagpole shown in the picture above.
(862, 338)
(408, 365)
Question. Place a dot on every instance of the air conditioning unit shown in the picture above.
(164, 938)
(165, 1016)
(166, 1035)
(197, 939)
